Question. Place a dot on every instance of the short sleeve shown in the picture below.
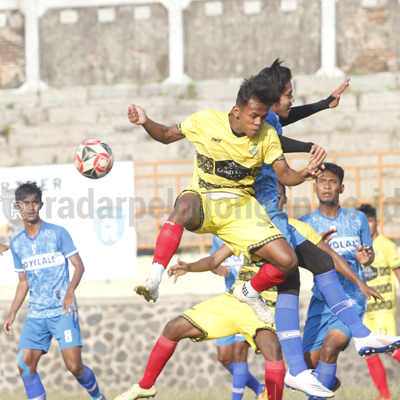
(392, 255)
(274, 151)
(65, 244)
(17, 261)
(365, 232)
(190, 127)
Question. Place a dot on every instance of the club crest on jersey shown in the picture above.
(254, 149)
(109, 224)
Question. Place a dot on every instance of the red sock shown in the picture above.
(396, 355)
(168, 242)
(274, 376)
(378, 375)
(159, 356)
(267, 277)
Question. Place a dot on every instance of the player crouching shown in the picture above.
(41, 253)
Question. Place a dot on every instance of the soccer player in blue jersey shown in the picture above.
(325, 335)
(41, 253)
(233, 350)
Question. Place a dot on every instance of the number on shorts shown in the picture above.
(68, 336)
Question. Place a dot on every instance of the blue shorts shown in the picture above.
(226, 341)
(320, 320)
(37, 333)
(280, 219)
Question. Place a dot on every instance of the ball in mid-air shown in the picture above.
(93, 159)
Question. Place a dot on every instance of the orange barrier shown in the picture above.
(371, 177)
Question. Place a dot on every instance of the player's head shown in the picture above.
(252, 105)
(330, 185)
(370, 213)
(28, 201)
(280, 80)
(282, 193)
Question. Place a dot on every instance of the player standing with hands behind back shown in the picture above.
(41, 253)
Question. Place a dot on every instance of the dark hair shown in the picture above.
(258, 88)
(277, 77)
(27, 189)
(368, 210)
(335, 170)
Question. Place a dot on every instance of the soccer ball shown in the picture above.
(93, 159)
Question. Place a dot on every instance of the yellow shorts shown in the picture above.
(240, 222)
(384, 323)
(224, 316)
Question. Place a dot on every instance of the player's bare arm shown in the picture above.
(69, 299)
(289, 177)
(365, 256)
(204, 264)
(20, 294)
(344, 268)
(336, 94)
(221, 270)
(3, 248)
(158, 132)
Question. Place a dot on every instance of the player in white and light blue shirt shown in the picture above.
(41, 253)
(325, 335)
(239, 367)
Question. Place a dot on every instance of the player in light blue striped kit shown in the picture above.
(41, 253)
(235, 347)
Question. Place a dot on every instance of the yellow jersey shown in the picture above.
(225, 162)
(380, 276)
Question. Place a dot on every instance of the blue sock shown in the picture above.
(231, 367)
(33, 387)
(240, 374)
(253, 384)
(336, 299)
(288, 329)
(326, 375)
(88, 381)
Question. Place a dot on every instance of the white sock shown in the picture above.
(251, 292)
(157, 272)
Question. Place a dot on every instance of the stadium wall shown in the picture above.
(69, 43)
(118, 335)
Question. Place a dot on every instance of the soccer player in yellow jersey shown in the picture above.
(381, 275)
(230, 150)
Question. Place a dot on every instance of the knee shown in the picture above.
(184, 212)
(288, 262)
(274, 351)
(329, 353)
(224, 360)
(24, 363)
(75, 367)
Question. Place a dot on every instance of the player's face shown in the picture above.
(328, 188)
(249, 119)
(29, 208)
(283, 108)
(372, 222)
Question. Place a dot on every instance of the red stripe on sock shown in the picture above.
(161, 353)
(274, 376)
(168, 242)
(378, 375)
(267, 277)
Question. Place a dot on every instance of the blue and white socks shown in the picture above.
(288, 329)
(88, 381)
(242, 378)
(33, 387)
(336, 299)
(326, 375)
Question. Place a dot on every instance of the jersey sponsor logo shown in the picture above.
(231, 170)
(109, 224)
(343, 244)
(216, 140)
(370, 273)
(254, 150)
(42, 261)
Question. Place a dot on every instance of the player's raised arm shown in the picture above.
(20, 294)
(3, 248)
(69, 299)
(158, 132)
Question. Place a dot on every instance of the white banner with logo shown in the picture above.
(98, 214)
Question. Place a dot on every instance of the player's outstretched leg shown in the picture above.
(83, 374)
(185, 215)
(163, 350)
(27, 362)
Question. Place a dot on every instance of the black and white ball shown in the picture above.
(93, 159)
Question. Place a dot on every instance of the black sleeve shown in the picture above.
(294, 146)
(300, 112)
